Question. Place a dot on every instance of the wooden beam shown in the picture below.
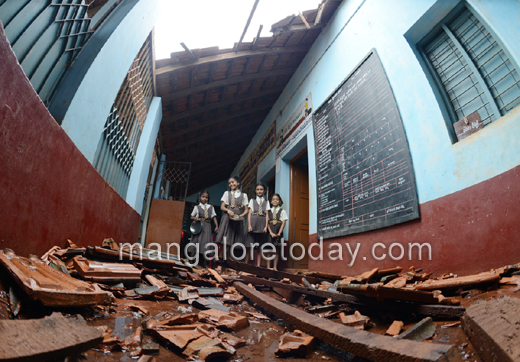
(268, 273)
(227, 82)
(209, 107)
(304, 20)
(193, 56)
(255, 41)
(371, 346)
(431, 310)
(247, 25)
(231, 56)
(220, 120)
(317, 20)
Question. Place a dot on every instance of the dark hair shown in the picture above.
(237, 179)
(279, 198)
(201, 193)
(261, 184)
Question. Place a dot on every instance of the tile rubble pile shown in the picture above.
(96, 278)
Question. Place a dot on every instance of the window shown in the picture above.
(471, 69)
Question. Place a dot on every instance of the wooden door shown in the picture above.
(299, 219)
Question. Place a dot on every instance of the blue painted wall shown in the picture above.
(441, 168)
(143, 157)
(90, 106)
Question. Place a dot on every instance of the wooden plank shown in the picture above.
(95, 271)
(268, 273)
(49, 286)
(432, 310)
(304, 20)
(133, 258)
(196, 111)
(48, 338)
(226, 82)
(247, 25)
(360, 343)
(255, 41)
(231, 56)
(469, 280)
(493, 327)
(185, 47)
(216, 275)
(381, 292)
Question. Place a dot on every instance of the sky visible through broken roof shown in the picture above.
(207, 23)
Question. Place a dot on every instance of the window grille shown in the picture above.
(178, 176)
(117, 148)
(473, 69)
(46, 36)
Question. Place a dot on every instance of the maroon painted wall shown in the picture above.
(469, 231)
(49, 192)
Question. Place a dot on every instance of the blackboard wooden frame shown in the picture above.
(353, 229)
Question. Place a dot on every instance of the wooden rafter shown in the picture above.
(226, 82)
(186, 131)
(221, 104)
(230, 56)
(221, 120)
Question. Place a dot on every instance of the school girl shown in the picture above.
(277, 217)
(233, 206)
(205, 213)
(257, 221)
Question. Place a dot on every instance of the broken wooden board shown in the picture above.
(43, 339)
(494, 328)
(469, 280)
(125, 257)
(268, 273)
(360, 343)
(96, 271)
(217, 276)
(432, 310)
(49, 286)
(381, 293)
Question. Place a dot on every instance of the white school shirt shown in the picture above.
(195, 212)
(283, 214)
(259, 199)
(227, 199)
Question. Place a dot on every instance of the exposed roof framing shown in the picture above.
(215, 99)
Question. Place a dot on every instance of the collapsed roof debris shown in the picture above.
(135, 308)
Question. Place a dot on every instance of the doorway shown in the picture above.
(299, 210)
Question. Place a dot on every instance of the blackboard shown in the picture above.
(365, 177)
